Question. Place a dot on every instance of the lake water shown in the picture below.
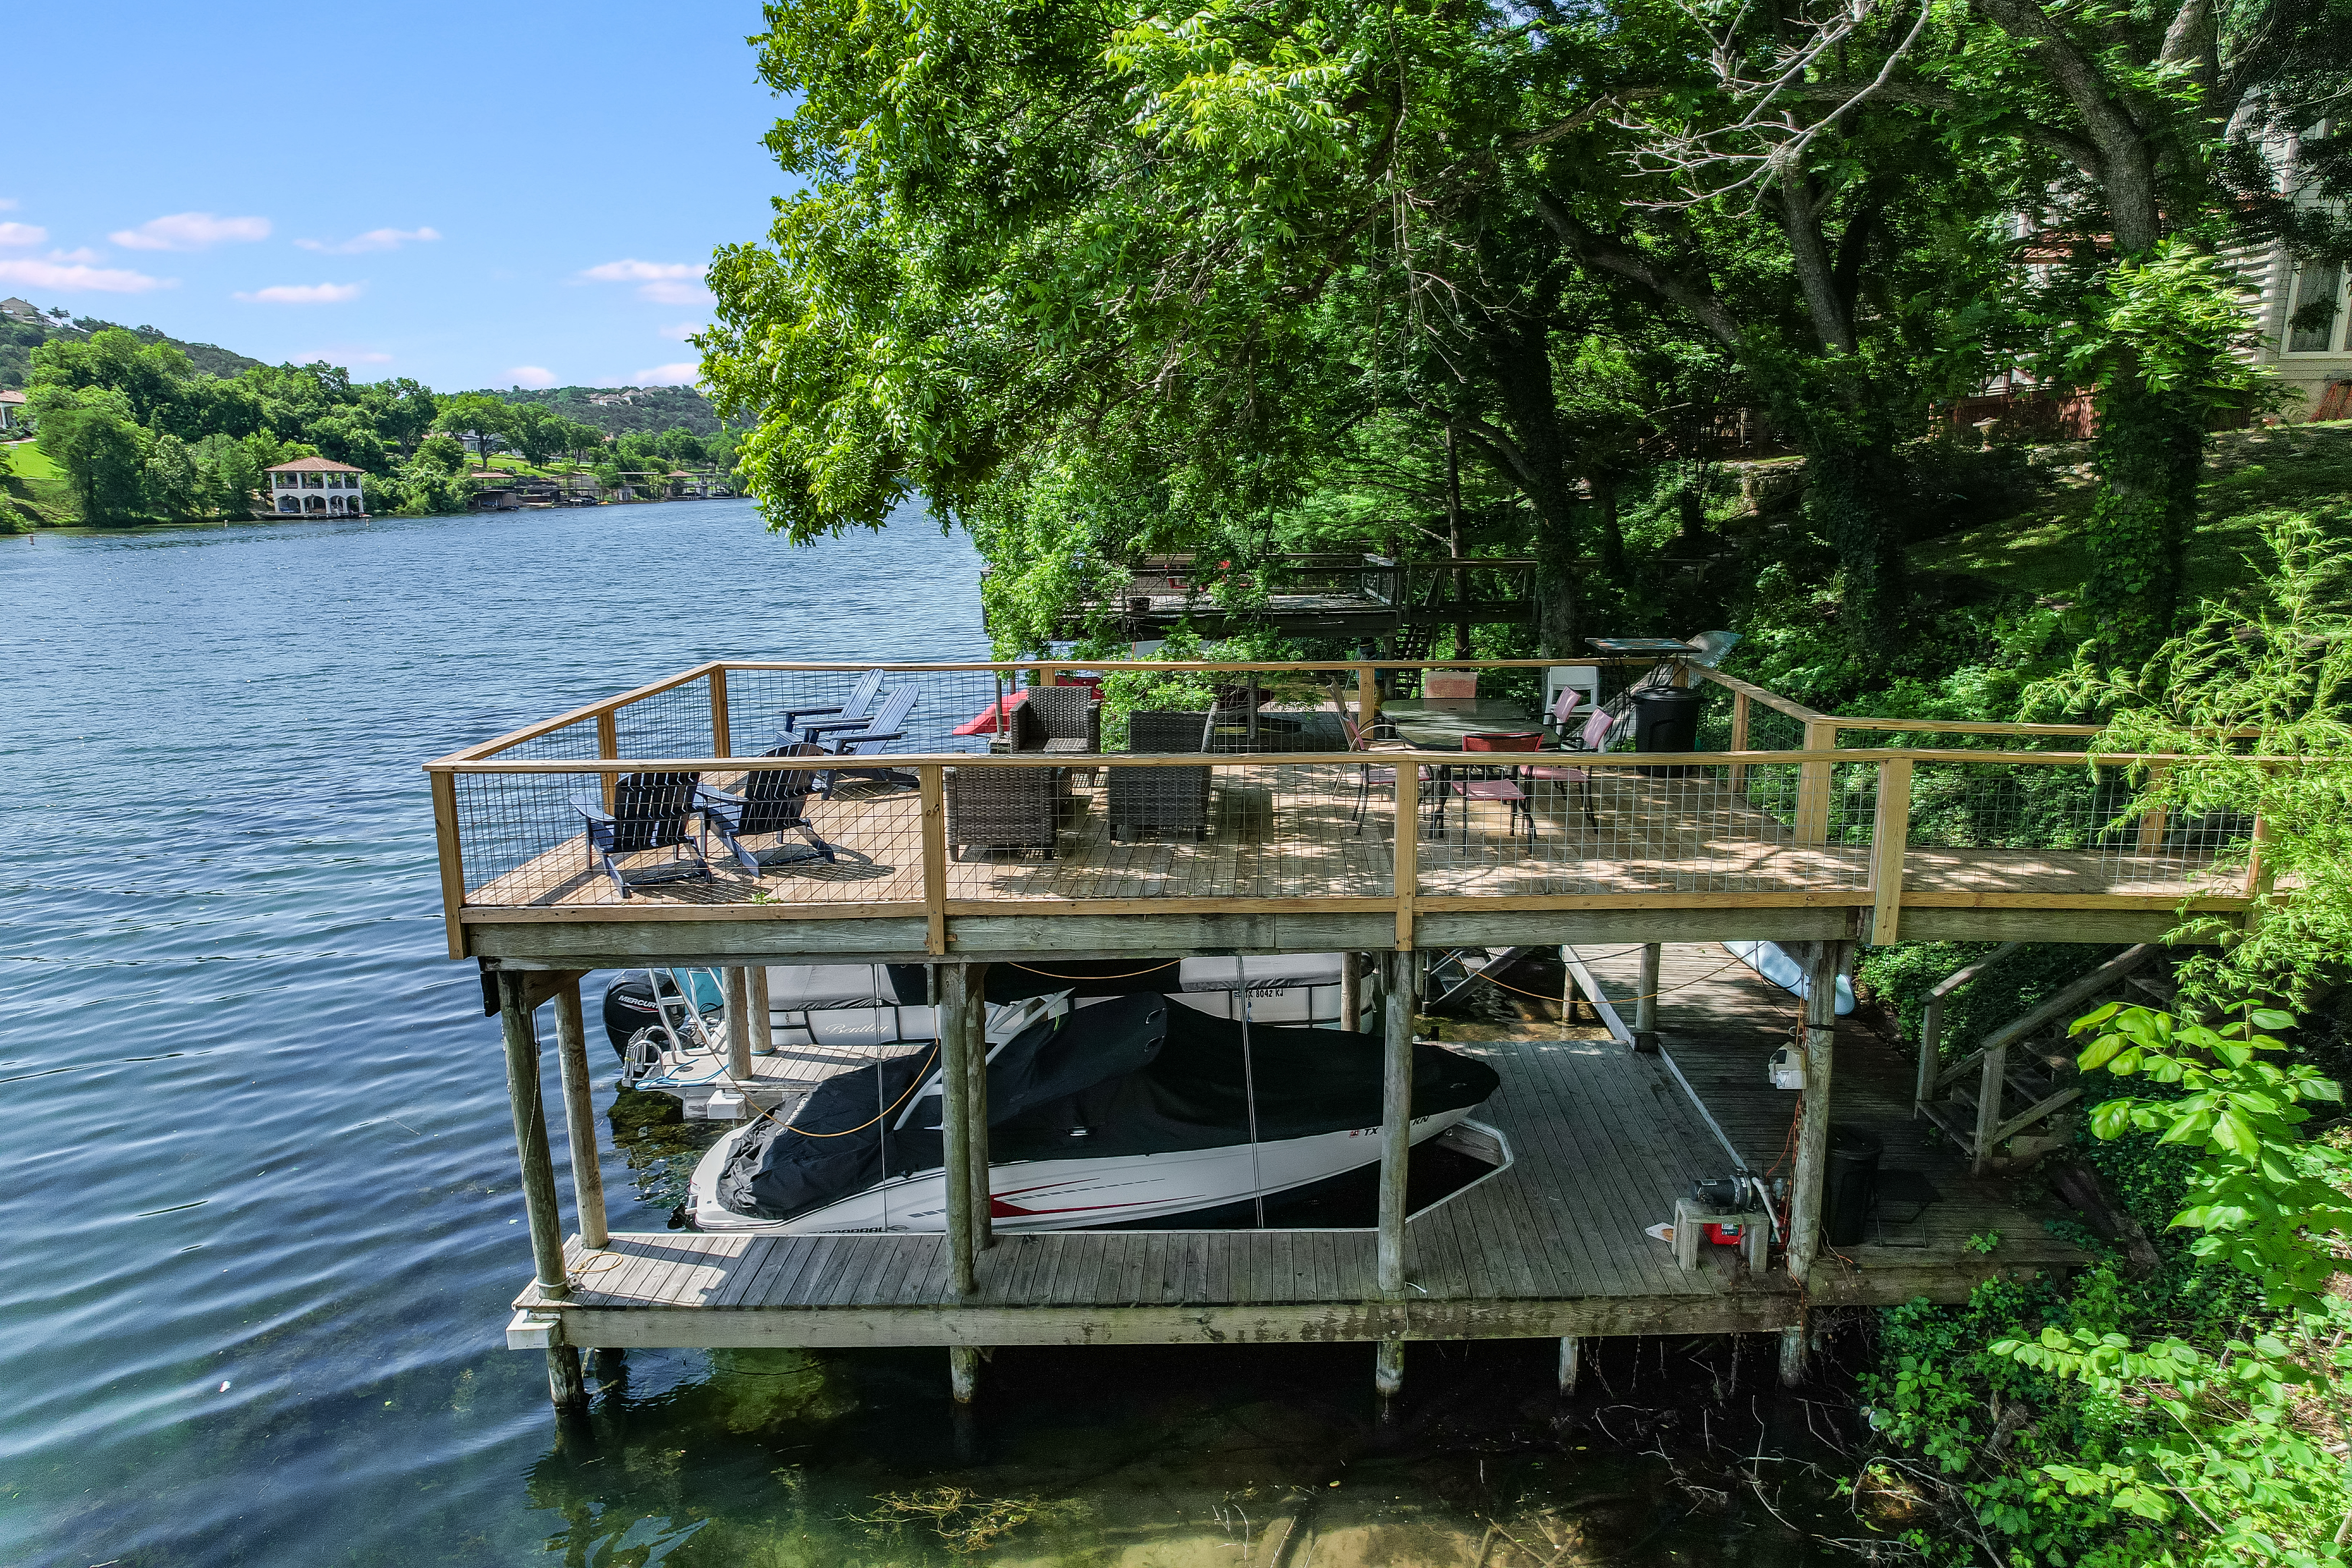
(258, 1181)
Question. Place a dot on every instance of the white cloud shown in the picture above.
(303, 294)
(8, 204)
(71, 277)
(685, 374)
(632, 271)
(78, 253)
(374, 239)
(190, 231)
(662, 282)
(531, 375)
(683, 331)
(15, 234)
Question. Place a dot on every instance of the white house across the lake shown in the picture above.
(315, 487)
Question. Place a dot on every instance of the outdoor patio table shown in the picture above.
(1440, 726)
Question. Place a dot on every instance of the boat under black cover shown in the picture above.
(1133, 1075)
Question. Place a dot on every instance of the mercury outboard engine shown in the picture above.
(629, 1005)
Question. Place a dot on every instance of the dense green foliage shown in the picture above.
(20, 338)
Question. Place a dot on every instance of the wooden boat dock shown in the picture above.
(1808, 829)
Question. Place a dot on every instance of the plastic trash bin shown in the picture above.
(1666, 719)
(1850, 1186)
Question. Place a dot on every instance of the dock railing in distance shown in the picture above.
(1294, 825)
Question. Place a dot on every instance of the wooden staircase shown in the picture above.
(2024, 1071)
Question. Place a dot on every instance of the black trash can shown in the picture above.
(1850, 1186)
(1666, 719)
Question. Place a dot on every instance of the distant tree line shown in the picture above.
(140, 434)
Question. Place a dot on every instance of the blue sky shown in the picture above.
(471, 195)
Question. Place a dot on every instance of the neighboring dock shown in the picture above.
(1803, 828)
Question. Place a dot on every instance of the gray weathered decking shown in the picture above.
(1604, 1142)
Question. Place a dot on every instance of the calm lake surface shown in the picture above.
(258, 1180)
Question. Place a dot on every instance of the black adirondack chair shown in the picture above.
(645, 836)
(773, 805)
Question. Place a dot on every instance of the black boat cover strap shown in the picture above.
(1132, 1075)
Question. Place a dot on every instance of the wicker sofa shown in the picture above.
(1002, 808)
(1164, 800)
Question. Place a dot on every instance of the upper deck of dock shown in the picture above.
(1792, 824)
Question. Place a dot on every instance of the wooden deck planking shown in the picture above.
(1272, 840)
(1605, 1140)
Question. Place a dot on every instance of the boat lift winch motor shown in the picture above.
(1786, 1068)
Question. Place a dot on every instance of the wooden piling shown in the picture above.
(524, 1099)
(1403, 970)
(1645, 1006)
(1351, 992)
(984, 1222)
(1824, 960)
(956, 1002)
(1388, 1368)
(737, 985)
(1792, 1351)
(580, 1113)
(964, 1373)
(1572, 1359)
(764, 1031)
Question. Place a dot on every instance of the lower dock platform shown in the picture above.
(1604, 1139)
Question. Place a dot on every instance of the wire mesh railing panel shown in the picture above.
(2053, 828)
(766, 707)
(574, 742)
(1559, 825)
(1260, 830)
(520, 836)
(671, 723)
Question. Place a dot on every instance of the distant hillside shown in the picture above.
(617, 410)
(19, 339)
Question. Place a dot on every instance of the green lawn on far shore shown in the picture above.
(27, 461)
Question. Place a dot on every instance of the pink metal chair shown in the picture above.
(1594, 737)
(1368, 775)
(1503, 787)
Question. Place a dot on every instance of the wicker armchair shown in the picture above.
(1171, 800)
(1058, 719)
(1002, 808)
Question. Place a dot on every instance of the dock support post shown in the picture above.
(964, 1373)
(957, 1003)
(524, 1099)
(1645, 1006)
(1351, 992)
(1571, 1360)
(1793, 1353)
(984, 1222)
(737, 983)
(763, 1030)
(580, 1115)
(1403, 983)
(1823, 962)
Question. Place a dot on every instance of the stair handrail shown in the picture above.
(1991, 1127)
(1931, 1025)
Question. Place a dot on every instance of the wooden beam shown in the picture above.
(1645, 999)
(1403, 972)
(1890, 836)
(1823, 962)
(608, 744)
(763, 1030)
(1405, 860)
(1815, 782)
(1351, 991)
(536, 1162)
(1739, 701)
(579, 1114)
(722, 740)
(983, 1223)
(452, 858)
(931, 781)
(1368, 698)
(956, 1002)
(736, 981)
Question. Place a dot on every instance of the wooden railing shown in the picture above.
(1864, 867)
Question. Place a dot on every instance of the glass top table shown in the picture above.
(1440, 726)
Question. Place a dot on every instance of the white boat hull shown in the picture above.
(1067, 1195)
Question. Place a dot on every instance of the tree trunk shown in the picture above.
(2148, 453)
(1854, 489)
(1612, 530)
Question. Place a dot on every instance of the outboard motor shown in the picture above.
(629, 1005)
